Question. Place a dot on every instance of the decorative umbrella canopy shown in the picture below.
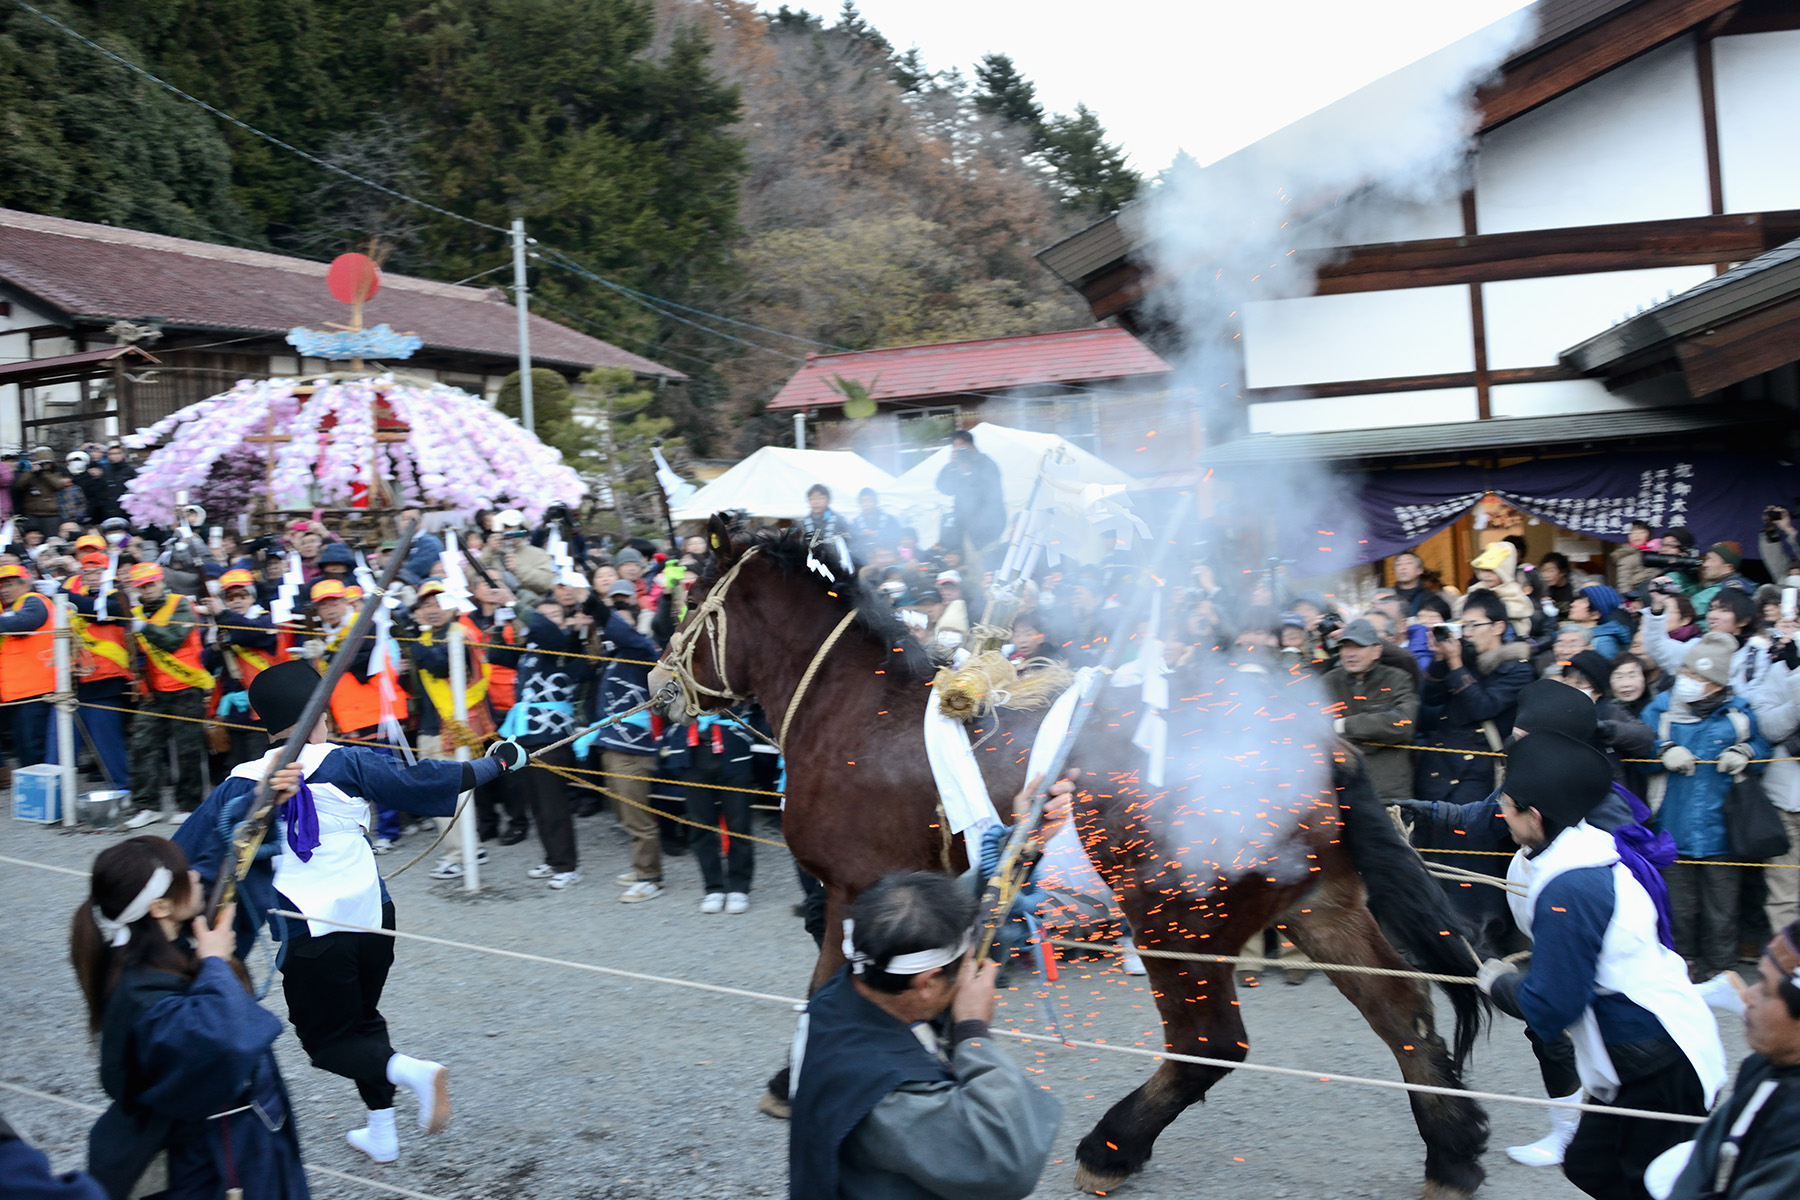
(430, 444)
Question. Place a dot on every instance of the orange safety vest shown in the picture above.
(28, 659)
(503, 690)
(251, 663)
(475, 690)
(172, 670)
(356, 705)
(103, 649)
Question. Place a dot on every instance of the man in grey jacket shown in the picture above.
(885, 1105)
(1372, 702)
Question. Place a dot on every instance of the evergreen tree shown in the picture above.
(1006, 94)
(88, 140)
(1090, 173)
(851, 24)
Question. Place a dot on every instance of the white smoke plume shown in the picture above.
(1241, 771)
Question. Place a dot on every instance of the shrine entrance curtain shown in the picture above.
(1718, 497)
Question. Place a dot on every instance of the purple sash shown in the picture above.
(1643, 850)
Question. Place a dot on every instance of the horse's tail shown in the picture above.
(1407, 902)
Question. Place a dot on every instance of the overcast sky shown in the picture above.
(1205, 76)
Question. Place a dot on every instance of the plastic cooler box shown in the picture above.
(37, 793)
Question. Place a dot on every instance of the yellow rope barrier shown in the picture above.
(573, 774)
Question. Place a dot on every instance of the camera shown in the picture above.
(1330, 623)
(1660, 588)
(1679, 562)
(1447, 631)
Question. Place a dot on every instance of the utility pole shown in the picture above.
(522, 298)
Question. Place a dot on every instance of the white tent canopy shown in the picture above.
(772, 484)
(1019, 453)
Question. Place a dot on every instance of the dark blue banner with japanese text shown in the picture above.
(1718, 497)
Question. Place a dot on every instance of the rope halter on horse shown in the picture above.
(710, 617)
(678, 659)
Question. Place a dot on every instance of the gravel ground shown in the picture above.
(573, 1084)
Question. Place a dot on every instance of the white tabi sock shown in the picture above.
(378, 1139)
(1548, 1150)
(430, 1082)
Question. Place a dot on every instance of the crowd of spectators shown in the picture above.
(1691, 666)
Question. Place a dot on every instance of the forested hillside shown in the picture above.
(792, 172)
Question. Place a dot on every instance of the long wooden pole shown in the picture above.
(251, 831)
(1023, 847)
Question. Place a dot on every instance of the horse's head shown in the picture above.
(765, 601)
(695, 672)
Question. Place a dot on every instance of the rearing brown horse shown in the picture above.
(1266, 819)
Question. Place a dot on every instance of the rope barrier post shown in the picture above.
(459, 699)
(65, 716)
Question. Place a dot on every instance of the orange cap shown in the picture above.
(14, 571)
(94, 560)
(353, 593)
(431, 587)
(91, 541)
(327, 589)
(142, 573)
(237, 578)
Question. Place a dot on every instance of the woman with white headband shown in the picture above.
(186, 1052)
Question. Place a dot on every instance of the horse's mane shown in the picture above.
(788, 550)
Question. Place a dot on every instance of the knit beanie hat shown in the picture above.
(1710, 657)
(1604, 599)
(1561, 777)
(1728, 552)
(1502, 558)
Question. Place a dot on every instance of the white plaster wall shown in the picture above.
(1363, 335)
(15, 347)
(1628, 146)
(1530, 321)
(1566, 397)
(1432, 407)
(1756, 82)
(1370, 218)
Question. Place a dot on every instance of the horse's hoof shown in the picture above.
(1435, 1190)
(1094, 1183)
(770, 1105)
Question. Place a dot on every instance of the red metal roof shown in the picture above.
(943, 369)
(85, 270)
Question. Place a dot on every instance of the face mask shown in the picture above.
(1689, 690)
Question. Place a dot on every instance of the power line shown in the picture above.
(137, 206)
(556, 257)
(649, 345)
(249, 128)
(562, 260)
(479, 274)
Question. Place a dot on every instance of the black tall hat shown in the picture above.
(1562, 778)
(1547, 706)
(279, 695)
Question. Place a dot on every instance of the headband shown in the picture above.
(916, 963)
(117, 930)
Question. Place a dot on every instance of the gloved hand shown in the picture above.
(504, 615)
(1678, 759)
(1735, 759)
(139, 625)
(512, 756)
(310, 649)
(1337, 723)
(1491, 970)
(1419, 810)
